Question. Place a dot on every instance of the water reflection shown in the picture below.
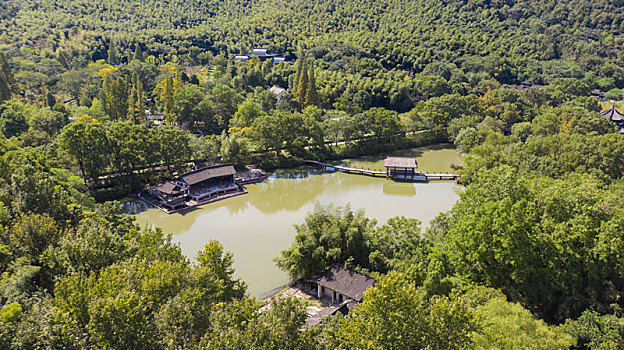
(400, 189)
(258, 225)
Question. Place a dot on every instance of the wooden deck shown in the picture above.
(381, 173)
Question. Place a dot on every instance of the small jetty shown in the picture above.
(345, 169)
(397, 169)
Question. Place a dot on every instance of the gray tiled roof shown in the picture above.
(170, 188)
(197, 176)
(349, 283)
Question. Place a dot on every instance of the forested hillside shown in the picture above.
(100, 98)
(398, 33)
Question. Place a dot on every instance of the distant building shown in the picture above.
(277, 91)
(525, 85)
(615, 116)
(156, 118)
(240, 58)
(597, 93)
(263, 55)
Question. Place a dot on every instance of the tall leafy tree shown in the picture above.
(7, 81)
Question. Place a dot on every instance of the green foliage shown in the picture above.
(535, 237)
(395, 315)
(540, 218)
(11, 312)
(510, 326)
(242, 325)
(7, 81)
(328, 235)
(121, 148)
(12, 119)
(234, 149)
(597, 332)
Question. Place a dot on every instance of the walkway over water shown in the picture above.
(419, 176)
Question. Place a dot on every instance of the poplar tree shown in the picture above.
(311, 91)
(114, 96)
(136, 101)
(302, 84)
(166, 96)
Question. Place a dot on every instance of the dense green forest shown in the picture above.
(533, 247)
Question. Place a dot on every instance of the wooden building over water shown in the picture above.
(195, 187)
(402, 169)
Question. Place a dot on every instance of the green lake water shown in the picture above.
(258, 225)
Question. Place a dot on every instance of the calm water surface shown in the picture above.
(257, 226)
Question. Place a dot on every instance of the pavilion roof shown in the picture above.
(613, 114)
(400, 162)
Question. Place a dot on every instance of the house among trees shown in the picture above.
(340, 287)
(263, 55)
(194, 188)
(155, 118)
(615, 116)
(277, 92)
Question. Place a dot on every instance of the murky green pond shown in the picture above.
(257, 226)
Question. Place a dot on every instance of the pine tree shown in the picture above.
(50, 100)
(138, 53)
(112, 54)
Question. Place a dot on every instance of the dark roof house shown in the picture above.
(170, 188)
(615, 116)
(351, 284)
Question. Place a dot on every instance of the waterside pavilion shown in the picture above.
(402, 168)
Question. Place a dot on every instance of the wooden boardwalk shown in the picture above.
(382, 173)
(347, 170)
